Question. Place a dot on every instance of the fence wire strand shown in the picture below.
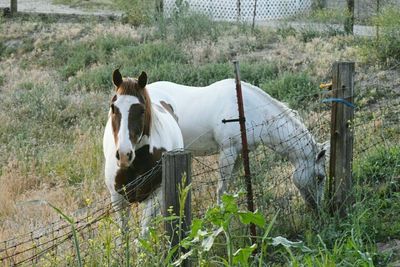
(273, 188)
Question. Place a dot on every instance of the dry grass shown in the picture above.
(28, 182)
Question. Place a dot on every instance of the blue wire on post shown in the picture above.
(339, 100)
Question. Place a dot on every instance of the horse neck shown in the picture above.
(153, 136)
(297, 144)
(305, 151)
(290, 138)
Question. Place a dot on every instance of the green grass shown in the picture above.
(51, 126)
(88, 4)
(297, 89)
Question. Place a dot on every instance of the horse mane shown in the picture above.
(131, 87)
(281, 105)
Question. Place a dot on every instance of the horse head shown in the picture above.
(310, 177)
(130, 116)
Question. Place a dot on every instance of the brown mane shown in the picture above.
(131, 87)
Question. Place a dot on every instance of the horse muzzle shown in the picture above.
(124, 160)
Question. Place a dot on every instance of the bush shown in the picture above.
(96, 79)
(2, 79)
(295, 89)
(196, 27)
(149, 55)
(328, 16)
(380, 169)
(137, 12)
(72, 58)
(386, 47)
(208, 73)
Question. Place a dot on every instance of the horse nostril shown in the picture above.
(117, 155)
(130, 156)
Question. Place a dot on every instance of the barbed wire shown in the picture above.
(33, 245)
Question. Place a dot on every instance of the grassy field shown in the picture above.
(55, 86)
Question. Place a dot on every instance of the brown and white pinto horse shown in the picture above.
(136, 134)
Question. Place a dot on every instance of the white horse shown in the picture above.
(200, 111)
(136, 134)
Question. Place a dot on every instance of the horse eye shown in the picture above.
(320, 178)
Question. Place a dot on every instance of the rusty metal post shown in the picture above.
(245, 148)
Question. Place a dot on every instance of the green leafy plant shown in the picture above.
(74, 233)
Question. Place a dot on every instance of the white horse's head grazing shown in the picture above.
(130, 116)
(310, 177)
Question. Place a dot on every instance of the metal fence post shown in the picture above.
(175, 166)
(245, 149)
(340, 166)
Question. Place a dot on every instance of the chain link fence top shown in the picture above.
(231, 10)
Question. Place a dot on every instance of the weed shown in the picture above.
(71, 222)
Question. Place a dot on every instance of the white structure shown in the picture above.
(228, 10)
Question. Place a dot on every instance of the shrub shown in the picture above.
(328, 16)
(2, 80)
(380, 168)
(72, 58)
(137, 12)
(286, 31)
(96, 79)
(388, 44)
(149, 55)
(295, 89)
(208, 73)
(196, 27)
(386, 47)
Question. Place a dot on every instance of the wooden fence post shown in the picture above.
(13, 7)
(340, 166)
(175, 166)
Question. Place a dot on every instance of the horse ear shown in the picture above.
(142, 80)
(324, 149)
(320, 155)
(117, 78)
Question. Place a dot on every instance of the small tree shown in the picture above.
(349, 23)
(319, 4)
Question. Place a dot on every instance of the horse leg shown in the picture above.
(227, 162)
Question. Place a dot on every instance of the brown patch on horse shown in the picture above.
(140, 187)
(115, 121)
(169, 108)
(131, 87)
(136, 122)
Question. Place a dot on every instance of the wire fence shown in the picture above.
(376, 126)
